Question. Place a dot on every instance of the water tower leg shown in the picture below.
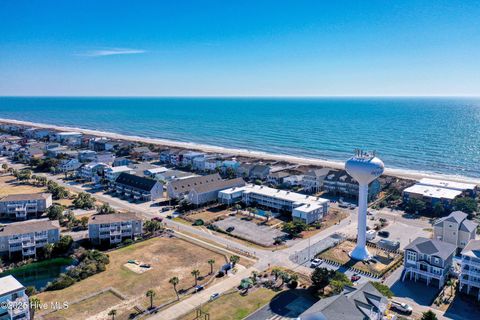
(360, 252)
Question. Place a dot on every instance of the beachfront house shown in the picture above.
(114, 228)
(14, 303)
(312, 181)
(112, 173)
(21, 206)
(23, 239)
(91, 172)
(428, 259)
(68, 138)
(340, 183)
(87, 155)
(470, 269)
(137, 188)
(455, 229)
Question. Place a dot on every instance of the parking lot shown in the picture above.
(248, 230)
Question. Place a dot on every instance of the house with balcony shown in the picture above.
(428, 259)
(339, 182)
(112, 229)
(312, 181)
(92, 171)
(14, 303)
(112, 173)
(470, 269)
(138, 188)
(23, 239)
(455, 229)
(23, 206)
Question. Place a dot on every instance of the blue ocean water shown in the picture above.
(437, 135)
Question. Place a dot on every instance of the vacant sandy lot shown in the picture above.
(168, 257)
(8, 185)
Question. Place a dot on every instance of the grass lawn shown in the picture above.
(333, 217)
(86, 308)
(340, 252)
(168, 257)
(8, 186)
(233, 306)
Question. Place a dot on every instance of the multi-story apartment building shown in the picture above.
(138, 188)
(91, 171)
(208, 192)
(428, 259)
(339, 182)
(433, 191)
(313, 180)
(455, 229)
(306, 208)
(23, 239)
(14, 304)
(114, 228)
(112, 173)
(470, 269)
(178, 189)
(21, 206)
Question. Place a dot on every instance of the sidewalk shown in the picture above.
(189, 304)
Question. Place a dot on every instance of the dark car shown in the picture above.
(384, 234)
(355, 277)
(199, 288)
(230, 229)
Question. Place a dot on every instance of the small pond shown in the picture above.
(39, 274)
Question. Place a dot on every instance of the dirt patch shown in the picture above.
(9, 186)
(136, 268)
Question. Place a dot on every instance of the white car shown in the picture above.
(402, 307)
(315, 263)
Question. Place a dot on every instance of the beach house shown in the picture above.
(312, 181)
(340, 183)
(428, 259)
(180, 188)
(455, 229)
(470, 269)
(208, 192)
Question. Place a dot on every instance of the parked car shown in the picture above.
(315, 263)
(157, 219)
(145, 265)
(164, 209)
(230, 229)
(383, 234)
(199, 288)
(402, 307)
(355, 277)
(214, 296)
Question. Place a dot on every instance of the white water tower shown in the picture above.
(364, 167)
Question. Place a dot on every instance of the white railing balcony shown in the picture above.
(115, 232)
(28, 252)
(18, 307)
(470, 263)
(469, 282)
(425, 273)
(28, 244)
(14, 240)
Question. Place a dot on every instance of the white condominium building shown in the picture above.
(306, 208)
(114, 228)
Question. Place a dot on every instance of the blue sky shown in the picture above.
(239, 48)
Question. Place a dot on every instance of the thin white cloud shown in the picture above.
(111, 52)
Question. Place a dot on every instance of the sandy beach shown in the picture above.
(401, 173)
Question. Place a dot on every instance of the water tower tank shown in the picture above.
(364, 167)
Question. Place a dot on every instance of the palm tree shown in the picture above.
(174, 281)
(450, 283)
(276, 272)
(268, 214)
(195, 273)
(234, 260)
(48, 250)
(238, 207)
(150, 294)
(34, 305)
(211, 262)
(113, 313)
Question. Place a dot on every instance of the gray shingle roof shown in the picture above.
(127, 179)
(218, 185)
(468, 225)
(187, 184)
(114, 217)
(352, 304)
(472, 249)
(28, 227)
(26, 196)
(432, 247)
